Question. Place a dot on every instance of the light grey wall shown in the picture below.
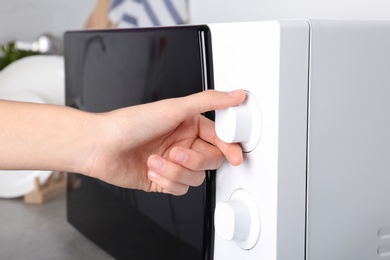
(27, 19)
(204, 11)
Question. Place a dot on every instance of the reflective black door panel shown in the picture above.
(106, 70)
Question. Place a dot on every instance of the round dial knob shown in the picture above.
(238, 219)
(233, 125)
(232, 220)
(240, 124)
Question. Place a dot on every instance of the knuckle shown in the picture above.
(169, 186)
(219, 160)
(184, 189)
(180, 191)
(197, 163)
(174, 174)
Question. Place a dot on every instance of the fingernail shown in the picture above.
(234, 93)
(157, 164)
(180, 156)
(153, 175)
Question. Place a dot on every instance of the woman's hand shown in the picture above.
(164, 146)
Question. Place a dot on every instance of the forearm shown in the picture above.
(45, 137)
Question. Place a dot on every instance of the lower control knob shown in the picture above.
(232, 220)
(238, 219)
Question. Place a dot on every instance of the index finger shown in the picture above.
(209, 100)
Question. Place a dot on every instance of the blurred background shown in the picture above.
(26, 19)
(249, 10)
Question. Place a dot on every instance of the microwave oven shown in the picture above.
(314, 128)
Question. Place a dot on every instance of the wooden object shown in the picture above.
(54, 186)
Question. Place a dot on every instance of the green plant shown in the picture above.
(11, 54)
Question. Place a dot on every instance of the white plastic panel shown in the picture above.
(247, 56)
(269, 60)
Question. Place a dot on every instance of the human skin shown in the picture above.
(164, 146)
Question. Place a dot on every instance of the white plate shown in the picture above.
(38, 79)
(15, 184)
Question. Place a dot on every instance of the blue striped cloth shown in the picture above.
(146, 13)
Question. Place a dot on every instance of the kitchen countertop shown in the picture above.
(42, 232)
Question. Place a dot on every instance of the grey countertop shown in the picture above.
(42, 232)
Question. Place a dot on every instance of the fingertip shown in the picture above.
(238, 93)
(179, 155)
(235, 97)
(156, 163)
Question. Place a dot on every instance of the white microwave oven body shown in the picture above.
(315, 129)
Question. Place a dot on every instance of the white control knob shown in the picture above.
(233, 125)
(233, 220)
(240, 124)
(238, 219)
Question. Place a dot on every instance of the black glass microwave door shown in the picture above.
(106, 70)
